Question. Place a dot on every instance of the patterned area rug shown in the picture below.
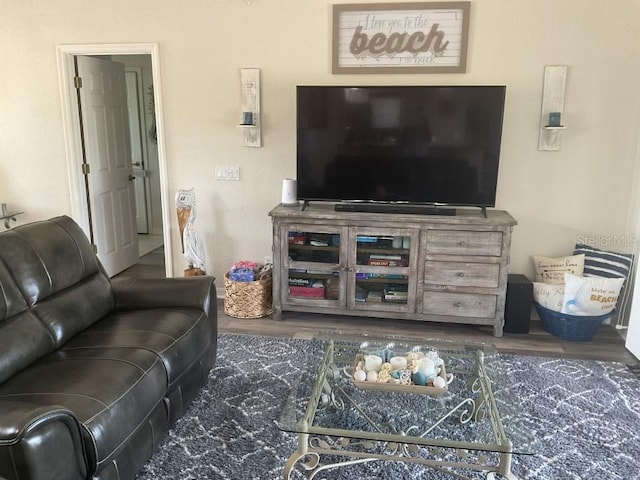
(584, 415)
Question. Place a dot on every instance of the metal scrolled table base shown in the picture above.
(309, 458)
(310, 449)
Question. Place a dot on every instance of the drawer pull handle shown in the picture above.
(457, 304)
(462, 243)
(460, 274)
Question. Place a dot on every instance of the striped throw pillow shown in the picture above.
(600, 263)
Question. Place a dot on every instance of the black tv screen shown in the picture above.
(413, 144)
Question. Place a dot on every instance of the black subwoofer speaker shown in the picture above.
(517, 310)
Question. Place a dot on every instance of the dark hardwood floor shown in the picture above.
(608, 345)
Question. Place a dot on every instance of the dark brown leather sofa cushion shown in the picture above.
(58, 275)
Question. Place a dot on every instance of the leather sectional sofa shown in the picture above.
(92, 373)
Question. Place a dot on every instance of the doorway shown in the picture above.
(158, 223)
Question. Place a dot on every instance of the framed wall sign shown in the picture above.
(424, 37)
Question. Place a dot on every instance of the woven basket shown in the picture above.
(248, 299)
(575, 328)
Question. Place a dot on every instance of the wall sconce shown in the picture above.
(552, 111)
(250, 102)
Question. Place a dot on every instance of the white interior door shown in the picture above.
(104, 116)
(137, 150)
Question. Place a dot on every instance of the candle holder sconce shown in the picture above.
(552, 111)
(250, 118)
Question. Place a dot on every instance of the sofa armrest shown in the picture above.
(40, 442)
(191, 292)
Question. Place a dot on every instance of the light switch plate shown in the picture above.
(227, 172)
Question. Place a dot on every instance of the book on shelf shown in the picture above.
(306, 282)
(307, 292)
(366, 239)
(396, 295)
(395, 300)
(375, 256)
(297, 238)
(297, 270)
(386, 263)
(383, 276)
(374, 296)
(361, 294)
(396, 288)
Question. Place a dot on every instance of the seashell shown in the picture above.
(360, 375)
(384, 376)
(372, 376)
(439, 382)
(405, 377)
(386, 366)
(414, 365)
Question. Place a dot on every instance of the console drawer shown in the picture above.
(461, 242)
(459, 304)
(483, 275)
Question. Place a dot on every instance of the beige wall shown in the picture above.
(585, 189)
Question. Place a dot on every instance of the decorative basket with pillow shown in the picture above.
(587, 302)
(573, 307)
(570, 327)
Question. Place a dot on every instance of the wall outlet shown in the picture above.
(227, 172)
(268, 259)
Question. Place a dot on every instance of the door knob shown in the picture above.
(131, 178)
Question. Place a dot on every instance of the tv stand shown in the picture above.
(395, 208)
(450, 269)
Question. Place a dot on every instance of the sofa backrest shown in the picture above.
(23, 338)
(53, 287)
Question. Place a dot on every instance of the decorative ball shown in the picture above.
(419, 378)
(372, 376)
(360, 376)
(439, 382)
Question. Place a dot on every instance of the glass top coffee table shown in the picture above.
(342, 418)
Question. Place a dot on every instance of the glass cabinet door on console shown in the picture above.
(314, 264)
(381, 265)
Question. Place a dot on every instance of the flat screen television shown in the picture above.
(425, 145)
